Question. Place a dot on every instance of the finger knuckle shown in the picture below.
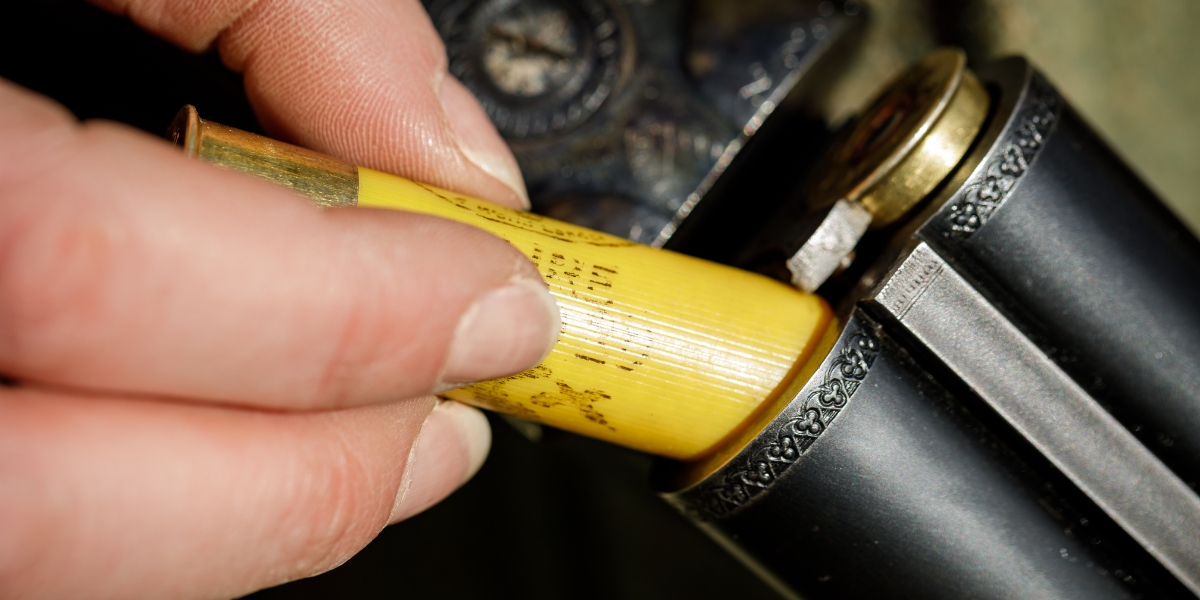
(342, 511)
(56, 271)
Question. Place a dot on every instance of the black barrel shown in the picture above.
(912, 467)
(879, 482)
(1050, 224)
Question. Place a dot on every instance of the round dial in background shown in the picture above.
(538, 67)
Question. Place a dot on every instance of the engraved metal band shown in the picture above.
(971, 207)
(792, 433)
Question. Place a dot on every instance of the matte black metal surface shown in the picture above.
(1089, 263)
(949, 318)
(919, 491)
(905, 495)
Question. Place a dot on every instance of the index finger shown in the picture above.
(127, 266)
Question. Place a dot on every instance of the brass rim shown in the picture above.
(325, 180)
(908, 141)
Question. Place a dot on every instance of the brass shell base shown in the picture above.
(908, 141)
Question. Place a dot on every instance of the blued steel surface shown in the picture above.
(1058, 233)
(954, 322)
(1044, 339)
(876, 483)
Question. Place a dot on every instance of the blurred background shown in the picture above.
(552, 515)
(1131, 68)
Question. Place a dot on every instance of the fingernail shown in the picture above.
(449, 450)
(507, 330)
(478, 140)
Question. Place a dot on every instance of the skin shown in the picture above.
(216, 387)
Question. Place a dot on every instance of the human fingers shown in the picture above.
(104, 497)
(364, 80)
(126, 266)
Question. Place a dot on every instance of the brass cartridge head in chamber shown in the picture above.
(909, 139)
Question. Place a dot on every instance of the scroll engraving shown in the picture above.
(987, 190)
(787, 441)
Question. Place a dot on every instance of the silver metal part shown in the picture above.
(830, 245)
(950, 318)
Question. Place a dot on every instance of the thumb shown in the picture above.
(362, 80)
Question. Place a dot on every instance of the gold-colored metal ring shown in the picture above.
(908, 141)
(325, 180)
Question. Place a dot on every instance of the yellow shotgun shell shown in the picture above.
(658, 351)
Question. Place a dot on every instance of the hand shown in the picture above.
(217, 386)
